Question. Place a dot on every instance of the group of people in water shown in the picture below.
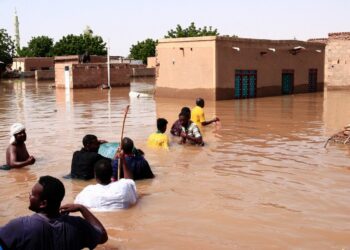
(51, 226)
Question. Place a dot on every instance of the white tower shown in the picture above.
(17, 38)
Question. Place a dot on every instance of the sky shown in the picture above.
(124, 23)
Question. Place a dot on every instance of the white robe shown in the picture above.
(116, 195)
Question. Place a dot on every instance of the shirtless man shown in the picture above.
(17, 155)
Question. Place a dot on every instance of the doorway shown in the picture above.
(287, 82)
(245, 84)
(312, 86)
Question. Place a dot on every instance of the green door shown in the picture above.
(245, 83)
(245, 86)
(252, 85)
(287, 83)
(238, 86)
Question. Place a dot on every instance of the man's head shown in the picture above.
(184, 118)
(91, 143)
(127, 145)
(103, 171)
(186, 110)
(200, 102)
(47, 195)
(18, 133)
(161, 124)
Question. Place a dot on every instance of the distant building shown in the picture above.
(151, 62)
(32, 63)
(120, 59)
(226, 68)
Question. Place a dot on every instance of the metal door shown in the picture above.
(287, 83)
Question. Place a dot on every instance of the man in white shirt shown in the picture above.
(107, 195)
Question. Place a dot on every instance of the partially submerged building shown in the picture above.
(70, 73)
(32, 63)
(337, 65)
(225, 68)
(41, 68)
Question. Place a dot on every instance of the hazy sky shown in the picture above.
(126, 22)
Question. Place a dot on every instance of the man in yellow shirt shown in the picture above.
(159, 139)
(197, 114)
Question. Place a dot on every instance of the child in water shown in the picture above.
(159, 139)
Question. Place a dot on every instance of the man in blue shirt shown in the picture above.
(50, 227)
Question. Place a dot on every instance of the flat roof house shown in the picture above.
(222, 68)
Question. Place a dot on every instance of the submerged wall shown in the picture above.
(44, 74)
(89, 75)
(32, 63)
(94, 75)
(337, 65)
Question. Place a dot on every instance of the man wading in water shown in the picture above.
(17, 155)
(190, 132)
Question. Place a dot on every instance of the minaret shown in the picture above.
(17, 39)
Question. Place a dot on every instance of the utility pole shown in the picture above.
(108, 67)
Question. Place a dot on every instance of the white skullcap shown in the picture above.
(15, 129)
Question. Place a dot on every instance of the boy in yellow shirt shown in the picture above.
(159, 139)
(197, 114)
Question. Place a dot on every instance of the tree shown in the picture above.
(191, 31)
(7, 47)
(144, 49)
(40, 46)
(77, 45)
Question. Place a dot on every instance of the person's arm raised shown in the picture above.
(126, 170)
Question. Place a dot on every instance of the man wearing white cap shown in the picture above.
(16, 154)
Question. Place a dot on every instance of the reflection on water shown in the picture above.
(263, 180)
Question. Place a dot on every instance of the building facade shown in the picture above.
(337, 63)
(226, 68)
(32, 63)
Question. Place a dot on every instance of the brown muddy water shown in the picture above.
(263, 180)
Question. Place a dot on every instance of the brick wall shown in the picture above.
(94, 75)
(91, 75)
(337, 62)
(44, 74)
(139, 72)
(35, 63)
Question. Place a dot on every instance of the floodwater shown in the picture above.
(262, 181)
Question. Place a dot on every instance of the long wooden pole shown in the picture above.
(121, 139)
